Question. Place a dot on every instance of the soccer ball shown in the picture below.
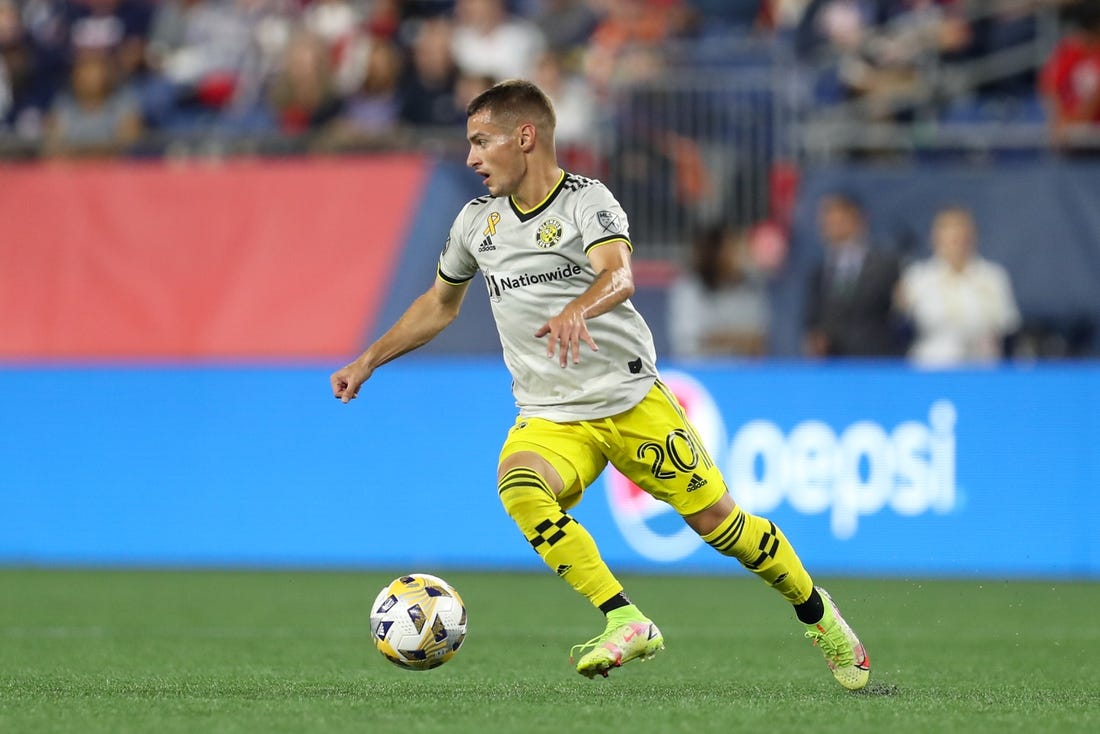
(418, 621)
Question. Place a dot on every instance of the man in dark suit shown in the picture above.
(850, 293)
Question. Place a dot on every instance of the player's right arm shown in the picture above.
(428, 315)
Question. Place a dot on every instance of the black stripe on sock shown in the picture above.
(724, 536)
(730, 536)
(522, 477)
(520, 483)
(522, 473)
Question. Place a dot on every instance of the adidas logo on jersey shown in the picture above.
(697, 482)
(486, 245)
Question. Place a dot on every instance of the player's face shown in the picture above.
(495, 154)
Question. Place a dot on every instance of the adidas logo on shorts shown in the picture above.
(697, 482)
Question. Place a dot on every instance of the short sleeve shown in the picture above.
(456, 263)
(601, 219)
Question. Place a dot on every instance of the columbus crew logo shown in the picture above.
(549, 233)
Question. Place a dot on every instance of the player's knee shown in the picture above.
(707, 521)
(531, 460)
(526, 496)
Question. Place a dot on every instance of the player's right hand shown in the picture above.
(566, 331)
(347, 380)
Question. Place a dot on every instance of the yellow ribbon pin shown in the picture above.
(494, 218)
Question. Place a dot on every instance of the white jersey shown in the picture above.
(534, 263)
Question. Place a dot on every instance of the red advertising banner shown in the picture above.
(240, 260)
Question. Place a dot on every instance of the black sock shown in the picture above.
(810, 611)
(617, 602)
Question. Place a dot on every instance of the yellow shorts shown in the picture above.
(653, 444)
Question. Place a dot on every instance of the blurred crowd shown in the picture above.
(157, 77)
(104, 76)
(95, 76)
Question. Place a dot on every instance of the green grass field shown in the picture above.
(147, 651)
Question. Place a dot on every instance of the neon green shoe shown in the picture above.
(844, 653)
(621, 642)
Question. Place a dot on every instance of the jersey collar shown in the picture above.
(542, 205)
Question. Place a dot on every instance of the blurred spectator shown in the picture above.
(576, 109)
(332, 20)
(199, 49)
(339, 23)
(384, 17)
(94, 116)
(303, 94)
(567, 24)
(879, 49)
(719, 307)
(1071, 79)
(849, 295)
(119, 27)
(488, 41)
(428, 83)
(271, 24)
(29, 76)
(47, 22)
(961, 305)
(370, 115)
(837, 27)
(626, 37)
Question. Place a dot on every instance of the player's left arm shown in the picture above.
(614, 284)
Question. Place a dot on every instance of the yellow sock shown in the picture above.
(560, 540)
(762, 548)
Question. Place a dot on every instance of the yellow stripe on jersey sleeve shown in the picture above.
(606, 240)
(450, 279)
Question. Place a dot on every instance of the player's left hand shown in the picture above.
(566, 332)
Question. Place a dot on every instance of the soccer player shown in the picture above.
(554, 250)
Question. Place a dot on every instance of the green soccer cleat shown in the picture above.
(620, 643)
(844, 653)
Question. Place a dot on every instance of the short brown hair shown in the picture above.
(515, 100)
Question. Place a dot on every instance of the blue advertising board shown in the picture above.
(870, 469)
